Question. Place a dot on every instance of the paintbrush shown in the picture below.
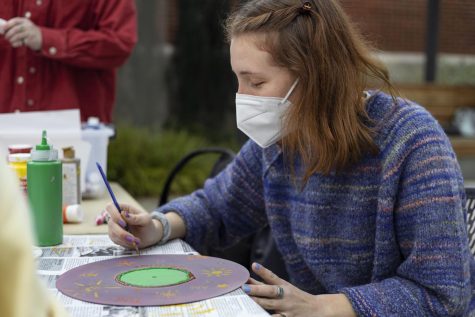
(111, 193)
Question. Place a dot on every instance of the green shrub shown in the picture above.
(140, 160)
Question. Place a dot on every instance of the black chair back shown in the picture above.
(470, 192)
(225, 157)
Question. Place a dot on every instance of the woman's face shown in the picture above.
(255, 70)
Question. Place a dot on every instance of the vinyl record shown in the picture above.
(152, 280)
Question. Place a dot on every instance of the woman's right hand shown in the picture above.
(142, 229)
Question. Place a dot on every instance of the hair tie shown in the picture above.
(307, 6)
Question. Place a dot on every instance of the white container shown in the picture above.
(97, 134)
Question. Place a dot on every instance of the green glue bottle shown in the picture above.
(45, 192)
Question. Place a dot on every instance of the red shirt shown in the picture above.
(84, 42)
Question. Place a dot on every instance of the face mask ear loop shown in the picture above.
(291, 90)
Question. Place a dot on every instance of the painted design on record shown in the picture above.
(152, 280)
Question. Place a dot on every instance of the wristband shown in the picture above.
(166, 226)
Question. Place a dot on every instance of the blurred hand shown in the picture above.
(21, 31)
(142, 229)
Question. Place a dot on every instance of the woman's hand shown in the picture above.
(142, 229)
(287, 300)
(21, 31)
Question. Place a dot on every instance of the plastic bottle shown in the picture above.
(71, 177)
(44, 177)
(97, 134)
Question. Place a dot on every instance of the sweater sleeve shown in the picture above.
(229, 207)
(433, 278)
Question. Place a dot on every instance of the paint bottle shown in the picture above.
(19, 148)
(72, 214)
(44, 176)
(71, 177)
(17, 162)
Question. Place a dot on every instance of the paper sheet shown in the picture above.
(79, 250)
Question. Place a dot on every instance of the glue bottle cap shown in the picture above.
(44, 151)
(44, 146)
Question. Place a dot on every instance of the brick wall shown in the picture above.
(400, 25)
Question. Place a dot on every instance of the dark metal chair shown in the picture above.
(470, 192)
(225, 157)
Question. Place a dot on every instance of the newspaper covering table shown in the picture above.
(78, 250)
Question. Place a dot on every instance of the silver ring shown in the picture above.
(280, 292)
(108, 217)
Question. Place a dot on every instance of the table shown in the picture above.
(92, 207)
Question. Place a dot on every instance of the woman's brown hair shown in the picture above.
(327, 125)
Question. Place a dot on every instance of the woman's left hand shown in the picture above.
(279, 295)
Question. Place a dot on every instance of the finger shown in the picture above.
(14, 31)
(140, 219)
(254, 281)
(12, 23)
(267, 275)
(115, 215)
(17, 44)
(129, 208)
(18, 37)
(268, 304)
(134, 216)
(265, 291)
(122, 237)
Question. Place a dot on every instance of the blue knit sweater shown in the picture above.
(390, 232)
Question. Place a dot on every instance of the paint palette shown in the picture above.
(152, 280)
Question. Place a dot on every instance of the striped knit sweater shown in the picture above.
(390, 232)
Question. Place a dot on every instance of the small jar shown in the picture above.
(19, 148)
(18, 162)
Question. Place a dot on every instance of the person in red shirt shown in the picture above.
(57, 54)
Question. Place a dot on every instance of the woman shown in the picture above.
(364, 195)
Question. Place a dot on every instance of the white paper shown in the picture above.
(63, 129)
(84, 249)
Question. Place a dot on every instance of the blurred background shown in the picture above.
(176, 93)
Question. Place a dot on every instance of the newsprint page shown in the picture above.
(83, 249)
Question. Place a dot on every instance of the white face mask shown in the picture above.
(260, 118)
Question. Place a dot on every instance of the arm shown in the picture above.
(228, 208)
(430, 230)
(107, 45)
